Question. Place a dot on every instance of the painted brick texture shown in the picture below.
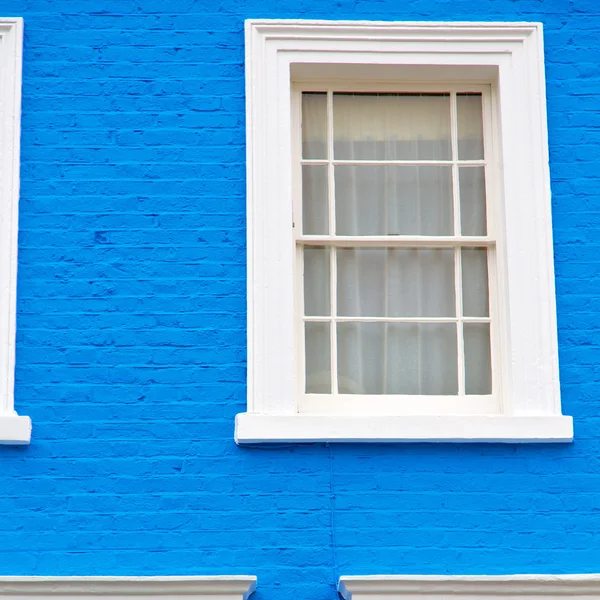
(131, 326)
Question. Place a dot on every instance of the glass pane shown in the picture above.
(391, 126)
(472, 200)
(470, 126)
(395, 282)
(315, 215)
(314, 125)
(397, 358)
(478, 363)
(316, 282)
(393, 200)
(317, 358)
(475, 282)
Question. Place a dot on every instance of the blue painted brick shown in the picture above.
(131, 326)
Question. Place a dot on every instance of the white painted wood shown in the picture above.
(399, 319)
(222, 587)
(12, 430)
(397, 241)
(409, 163)
(15, 429)
(333, 275)
(458, 277)
(256, 428)
(509, 58)
(397, 404)
(469, 587)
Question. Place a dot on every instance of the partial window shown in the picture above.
(466, 587)
(13, 429)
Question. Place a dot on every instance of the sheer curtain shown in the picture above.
(394, 358)
(379, 357)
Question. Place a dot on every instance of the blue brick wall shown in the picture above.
(131, 325)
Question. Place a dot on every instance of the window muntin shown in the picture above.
(394, 192)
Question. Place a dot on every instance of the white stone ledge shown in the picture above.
(470, 587)
(222, 587)
(253, 428)
(15, 430)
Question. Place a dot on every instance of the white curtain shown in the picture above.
(393, 357)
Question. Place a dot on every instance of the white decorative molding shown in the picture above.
(13, 429)
(222, 587)
(508, 56)
(470, 587)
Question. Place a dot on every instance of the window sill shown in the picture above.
(252, 428)
(15, 430)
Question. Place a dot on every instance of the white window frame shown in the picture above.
(467, 587)
(13, 428)
(393, 404)
(507, 56)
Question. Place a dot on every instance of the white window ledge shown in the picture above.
(252, 428)
(15, 430)
(222, 587)
(482, 587)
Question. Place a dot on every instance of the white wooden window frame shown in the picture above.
(468, 587)
(394, 404)
(509, 58)
(14, 429)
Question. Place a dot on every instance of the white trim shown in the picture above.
(12, 430)
(482, 587)
(222, 587)
(15, 430)
(253, 429)
(509, 56)
(397, 404)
